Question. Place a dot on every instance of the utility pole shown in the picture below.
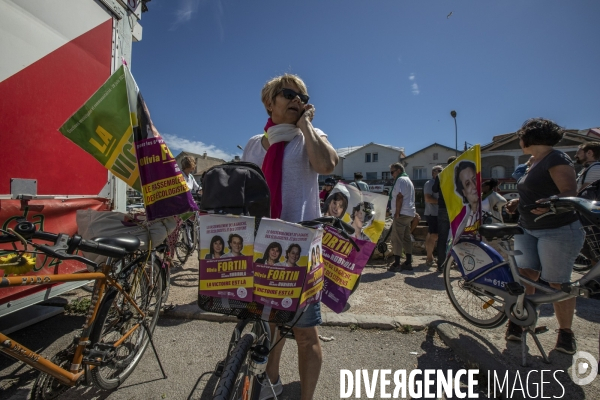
(453, 114)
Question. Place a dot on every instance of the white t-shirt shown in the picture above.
(405, 186)
(300, 186)
(592, 175)
(191, 182)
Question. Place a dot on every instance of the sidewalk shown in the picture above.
(418, 299)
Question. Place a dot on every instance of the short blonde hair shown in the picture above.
(272, 87)
(188, 162)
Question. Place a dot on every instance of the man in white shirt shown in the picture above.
(588, 155)
(403, 210)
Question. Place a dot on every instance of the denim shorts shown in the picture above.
(311, 317)
(551, 251)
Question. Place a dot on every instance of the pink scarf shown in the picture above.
(273, 163)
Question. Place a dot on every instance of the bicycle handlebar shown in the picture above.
(64, 245)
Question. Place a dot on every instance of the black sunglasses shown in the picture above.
(291, 95)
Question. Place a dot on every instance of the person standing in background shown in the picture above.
(443, 221)
(492, 202)
(588, 155)
(327, 187)
(403, 210)
(188, 165)
(431, 214)
(363, 187)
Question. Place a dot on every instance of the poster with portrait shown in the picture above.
(282, 261)
(226, 255)
(461, 187)
(343, 264)
(365, 211)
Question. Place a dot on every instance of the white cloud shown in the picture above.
(177, 144)
(414, 87)
(185, 12)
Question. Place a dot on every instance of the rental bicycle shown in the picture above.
(242, 374)
(487, 290)
(121, 318)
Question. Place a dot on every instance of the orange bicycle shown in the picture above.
(121, 318)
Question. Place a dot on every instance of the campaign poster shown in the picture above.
(313, 284)
(281, 263)
(226, 250)
(164, 189)
(461, 187)
(365, 211)
(343, 264)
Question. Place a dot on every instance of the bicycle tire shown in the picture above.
(192, 237)
(182, 250)
(235, 372)
(582, 263)
(470, 305)
(116, 317)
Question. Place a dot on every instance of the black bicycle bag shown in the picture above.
(236, 188)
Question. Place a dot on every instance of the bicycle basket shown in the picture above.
(592, 238)
(244, 310)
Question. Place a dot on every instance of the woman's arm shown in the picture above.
(564, 179)
(321, 154)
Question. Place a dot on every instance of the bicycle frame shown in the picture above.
(548, 295)
(37, 361)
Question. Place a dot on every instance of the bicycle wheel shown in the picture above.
(472, 303)
(235, 379)
(182, 250)
(116, 317)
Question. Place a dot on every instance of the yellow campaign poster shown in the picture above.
(461, 187)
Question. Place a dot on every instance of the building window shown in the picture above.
(371, 175)
(498, 172)
(435, 156)
(386, 175)
(419, 173)
(367, 157)
(375, 157)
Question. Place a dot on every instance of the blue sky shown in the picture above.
(378, 71)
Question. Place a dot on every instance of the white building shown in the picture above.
(372, 160)
(418, 165)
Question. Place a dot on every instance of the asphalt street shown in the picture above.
(189, 350)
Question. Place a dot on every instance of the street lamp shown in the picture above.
(453, 114)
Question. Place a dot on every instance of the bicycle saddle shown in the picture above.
(491, 232)
(128, 242)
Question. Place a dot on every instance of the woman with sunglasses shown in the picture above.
(292, 153)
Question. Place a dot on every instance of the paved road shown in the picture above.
(190, 349)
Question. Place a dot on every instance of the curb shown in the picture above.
(191, 311)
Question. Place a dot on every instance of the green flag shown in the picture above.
(103, 128)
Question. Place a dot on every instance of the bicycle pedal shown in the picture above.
(514, 288)
(541, 329)
(219, 368)
(99, 358)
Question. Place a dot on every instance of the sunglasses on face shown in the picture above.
(290, 94)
